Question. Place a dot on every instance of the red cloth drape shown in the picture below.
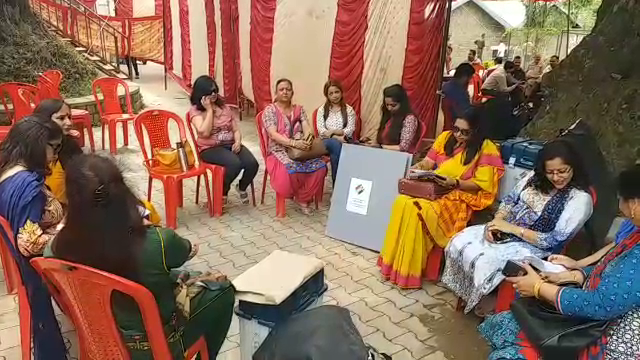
(158, 5)
(347, 49)
(261, 42)
(211, 34)
(169, 37)
(185, 41)
(230, 49)
(422, 66)
(88, 3)
(124, 8)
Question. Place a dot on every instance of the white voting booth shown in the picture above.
(366, 186)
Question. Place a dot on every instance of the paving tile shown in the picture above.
(414, 325)
(361, 262)
(397, 298)
(9, 319)
(8, 303)
(349, 285)
(355, 272)
(11, 353)
(373, 283)
(390, 309)
(364, 312)
(330, 272)
(228, 345)
(403, 355)
(337, 262)
(369, 297)
(239, 259)
(411, 343)
(227, 249)
(416, 309)
(378, 341)
(438, 355)
(363, 328)
(388, 328)
(234, 328)
(214, 259)
(233, 354)
(342, 297)
(424, 298)
(9, 337)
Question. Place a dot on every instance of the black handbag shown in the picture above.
(554, 335)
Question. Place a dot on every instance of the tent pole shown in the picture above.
(568, 28)
(443, 57)
(164, 42)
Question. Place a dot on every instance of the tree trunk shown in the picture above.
(599, 82)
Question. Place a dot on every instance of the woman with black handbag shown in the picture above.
(578, 322)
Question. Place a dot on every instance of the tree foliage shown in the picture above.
(599, 82)
(28, 49)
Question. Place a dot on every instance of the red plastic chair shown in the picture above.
(110, 110)
(49, 84)
(49, 88)
(477, 97)
(280, 200)
(20, 108)
(156, 124)
(14, 283)
(217, 172)
(506, 292)
(85, 294)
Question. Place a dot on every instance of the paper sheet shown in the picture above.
(359, 194)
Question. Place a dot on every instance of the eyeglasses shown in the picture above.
(463, 132)
(55, 147)
(560, 172)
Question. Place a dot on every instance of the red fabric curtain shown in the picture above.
(159, 6)
(230, 48)
(185, 41)
(261, 42)
(347, 49)
(169, 38)
(211, 34)
(124, 8)
(88, 3)
(422, 68)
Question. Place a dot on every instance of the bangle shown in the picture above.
(536, 289)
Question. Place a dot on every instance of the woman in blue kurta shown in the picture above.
(610, 292)
(34, 216)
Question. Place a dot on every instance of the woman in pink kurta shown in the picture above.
(285, 125)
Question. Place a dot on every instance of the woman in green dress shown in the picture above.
(105, 230)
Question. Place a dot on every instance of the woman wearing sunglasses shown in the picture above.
(470, 166)
(541, 213)
(35, 217)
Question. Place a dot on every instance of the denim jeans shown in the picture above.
(334, 146)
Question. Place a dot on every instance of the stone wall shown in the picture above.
(88, 103)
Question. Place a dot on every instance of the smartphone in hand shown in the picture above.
(513, 269)
(500, 237)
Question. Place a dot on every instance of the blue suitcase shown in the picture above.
(521, 153)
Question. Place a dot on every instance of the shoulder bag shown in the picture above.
(424, 189)
(316, 150)
(554, 335)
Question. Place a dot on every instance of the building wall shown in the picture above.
(468, 22)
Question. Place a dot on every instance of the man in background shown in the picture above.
(480, 44)
(518, 73)
(497, 83)
(472, 58)
(456, 90)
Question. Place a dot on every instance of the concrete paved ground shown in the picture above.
(415, 324)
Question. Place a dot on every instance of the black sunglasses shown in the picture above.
(463, 132)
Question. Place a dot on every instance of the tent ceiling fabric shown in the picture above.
(365, 44)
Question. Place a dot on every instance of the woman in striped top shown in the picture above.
(336, 122)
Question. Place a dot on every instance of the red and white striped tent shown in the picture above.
(246, 45)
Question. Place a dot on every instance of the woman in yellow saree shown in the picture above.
(472, 167)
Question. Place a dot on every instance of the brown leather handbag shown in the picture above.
(424, 189)
(316, 150)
